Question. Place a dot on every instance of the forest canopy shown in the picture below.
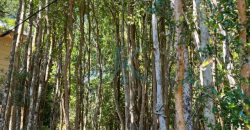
(126, 65)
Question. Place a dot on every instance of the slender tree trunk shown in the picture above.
(117, 77)
(6, 102)
(32, 93)
(99, 62)
(43, 72)
(206, 75)
(164, 67)
(62, 111)
(187, 87)
(142, 124)
(132, 68)
(66, 70)
(245, 69)
(154, 89)
(179, 119)
(82, 92)
(35, 73)
(57, 90)
(159, 109)
(227, 58)
(79, 68)
(17, 89)
(241, 5)
(25, 82)
(20, 88)
(183, 92)
(124, 71)
(85, 118)
(78, 85)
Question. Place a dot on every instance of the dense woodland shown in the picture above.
(127, 65)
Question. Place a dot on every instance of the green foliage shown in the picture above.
(8, 8)
(229, 102)
(47, 102)
(108, 108)
(231, 107)
(8, 21)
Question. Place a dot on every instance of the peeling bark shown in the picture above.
(206, 75)
(159, 110)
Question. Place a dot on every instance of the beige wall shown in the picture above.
(5, 44)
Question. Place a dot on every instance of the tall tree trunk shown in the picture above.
(8, 91)
(159, 109)
(187, 87)
(44, 69)
(57, 90)
(124, 71)
(179, 115)
(26, 69)
(19, 94)
(183, 91)
(85, 118)
(241, 5)
(117, 73)
(133, 86)
(245, 69)
(164, 67)
(154, 89)
(66, 70)
(99, 62)
(17, 89)
(79, 67)
(35, 73)
(142, 124)
(206, 75)
(82, 93)
(227, 58)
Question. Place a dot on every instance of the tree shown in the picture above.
(69, 44)
(8, 90)
(125, 65)
(206, 72)
(245, 69)
(159, 110)
(183, 90)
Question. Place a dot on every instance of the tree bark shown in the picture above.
(143, 116)
(159, 109)
(99, 62)
(118, 64)
(245, 69)
(66, 70)
(56, 95)
(183, 91)
(79, 68)
(8, 91)
(26, 69)
(35, 73)
(124, 71)
(132, 66)
(206, 73)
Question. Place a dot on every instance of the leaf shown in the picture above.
(232, 105)
(219, 63)
(207, 62)
(235, 55)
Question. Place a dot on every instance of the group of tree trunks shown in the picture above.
(50, 43)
